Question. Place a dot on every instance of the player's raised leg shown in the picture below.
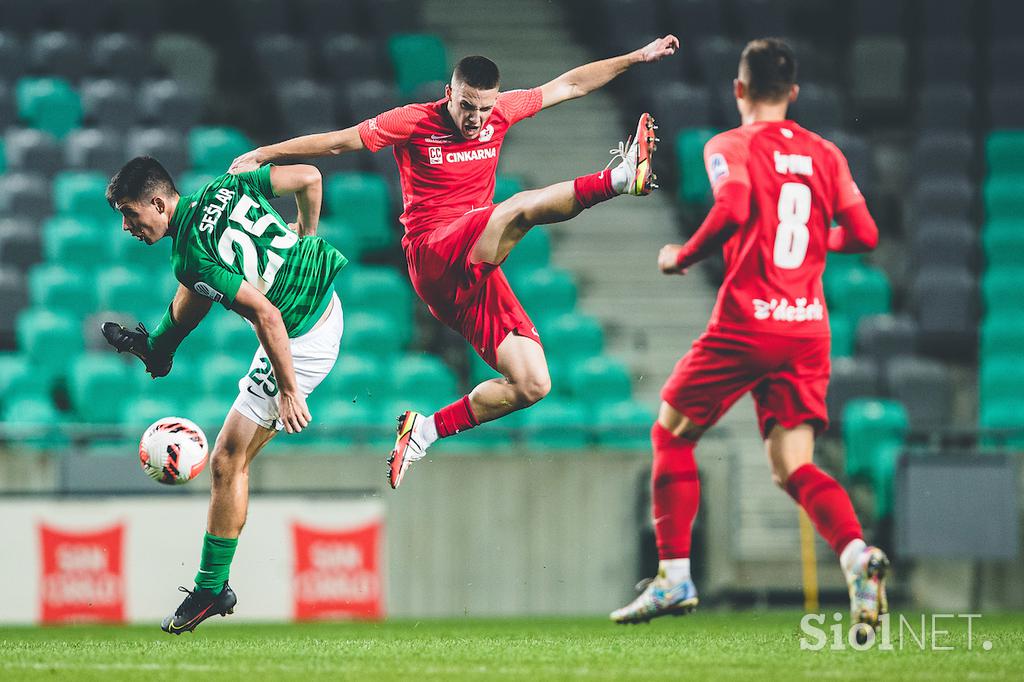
(791, 453)
(239, 441)
(675, 497)
(514, 217)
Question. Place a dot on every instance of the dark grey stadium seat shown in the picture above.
(693, 19)
(118, 55)
(141, 18)
(430, 91)
(167, 145)
(392, 16)
(257, 16)
(817, 64)
(99, 149)
(945, 303)
(12, 57)
(1004, 59)
(759, 18)
(109, 103)
(853, 377)
(1006, 106)
(33, 151)
(21, 245)
(346, 57)
(363, 99)
(57, 53)
(13, 298)
(1005, 18)
(883, 337)
(8, 114)
(638, 84)
(282, 58)
(878, 73)
(858, 154)
(940, 197)
(677, 105)
(946, 107)
(947, 19)
(946, 61)
(167, 103)
(945, 244)
(725, 111)
(306, 107)
(945, 152)
(643, 21)
(818, 108)
(323, 17)
(877, 17)
(717, 59)
(925, 388)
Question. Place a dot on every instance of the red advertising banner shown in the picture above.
(337, 572)
(83, 575)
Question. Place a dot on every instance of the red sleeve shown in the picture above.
(725, 158)
(846, 191)
(857, 231)
(519, 104)
(731, 210)
(390, 128)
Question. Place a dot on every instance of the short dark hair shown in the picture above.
(477, 72)
(140, 178)
(769, 66)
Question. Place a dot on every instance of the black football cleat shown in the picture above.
(136, 342)
(197, 607)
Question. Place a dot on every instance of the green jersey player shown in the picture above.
(231, 247)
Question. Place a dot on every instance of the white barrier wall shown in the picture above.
(117, 559)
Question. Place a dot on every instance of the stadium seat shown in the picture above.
(716, 58)
(214, 148)
(678, 105)
(209, 413)
(128, 290)
(947, 60)
(49, 104)
(943, 152)
(941, 197)
(945, 303)
(856, 292)
(546, 292)
(82, 194)
(137, 415)
(347, 57)
(531, 253)
(1001, 290)
(423, 382)
(179, 386)
(945, 106)
(367, 332)
(361, 199)
(387, 16)
(75, 243)
(154, 257)
(878, 69)
(365, 98)
(944, 244)
(231, 334)
(696, 18)
(505, 186)
(853, 377)
(345, 423)
(33, 423)
(186, 59)
(344, 236)
(1003, 198)
(1003, 243)
(1000, 377)
(868, 426)
(48, 339)
(11, 364)
(192, 181)
(166, 145)
(818, 107)
(356, 378)
(14, 297)
(57, 53)
(883, 337)
(282, 58)
(219, 373)
(417, 59)
(925, 388)
(119, 55)
(8, 113)
(1004, 152)
(624, 425)
(572, 337)
(1006, 106)
(62, 288)
(600, 380)
(1002, 336)
(20, 243)
(693, 179)
(12, 56)
(555, 425)
(110, 104)
(306, 107)
(842, 336)
(95, 150)
(382, 290)
(33, 151)
(97, 386)
(860, 157)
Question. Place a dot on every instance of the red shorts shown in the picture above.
(787, 375)
(474, 299)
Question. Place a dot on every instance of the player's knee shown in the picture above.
(226, 462)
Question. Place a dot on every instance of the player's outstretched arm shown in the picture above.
(306, 183)
(585, 79)
(270, 329)
(307, 146)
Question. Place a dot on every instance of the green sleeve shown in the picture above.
(259, 180)
(214, 282)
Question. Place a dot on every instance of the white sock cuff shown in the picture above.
(850, 553)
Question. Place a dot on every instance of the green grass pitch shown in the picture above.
(712, 645)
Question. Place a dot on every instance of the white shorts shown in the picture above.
(313, 356)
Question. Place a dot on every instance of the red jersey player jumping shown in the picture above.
(456, 238)
(777, 189)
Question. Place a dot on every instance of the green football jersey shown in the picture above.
(228, 232)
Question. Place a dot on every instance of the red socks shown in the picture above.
(454, 418)
(827, 504)
(594, 188)
(675, 492)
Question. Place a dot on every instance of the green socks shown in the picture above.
(215, 563)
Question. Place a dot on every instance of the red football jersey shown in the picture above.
(798, 181)
(444, 175)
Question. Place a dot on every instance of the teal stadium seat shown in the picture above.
(570, 337)
(1002, 336)
(356, 378)
(533, 252)
(231, 334)
(59, 288)
(417, 59)
(1002, 378)
(25, 381)
(49, 104)
(370, 333)
(219, 373)
(424, 382)
(545, 293)
(1003, 197)
(1002, 292)
(139, 414)
(77, 243)
(1004, 152)
(209, 413)
(98, 387)
(213, 148)
(505, 186)
(624, 425)
(555, 425)
(345, 423)
(192, 180)
(868, 425)
(693, 178)
(362, 199)
(126, 250)
(384, 291)
(1003, 243)
(48, 339)
(82, 195)
(129, 290)
(857, 291)
(34, 423)
(842, 336)
(600, 380)
(11, 363)
(344, 236)
(181, 385)
(1006, 414)
(841, 261)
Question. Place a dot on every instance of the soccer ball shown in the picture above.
(173, 451)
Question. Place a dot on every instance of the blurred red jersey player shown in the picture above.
(456, 238)
(777, 189)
